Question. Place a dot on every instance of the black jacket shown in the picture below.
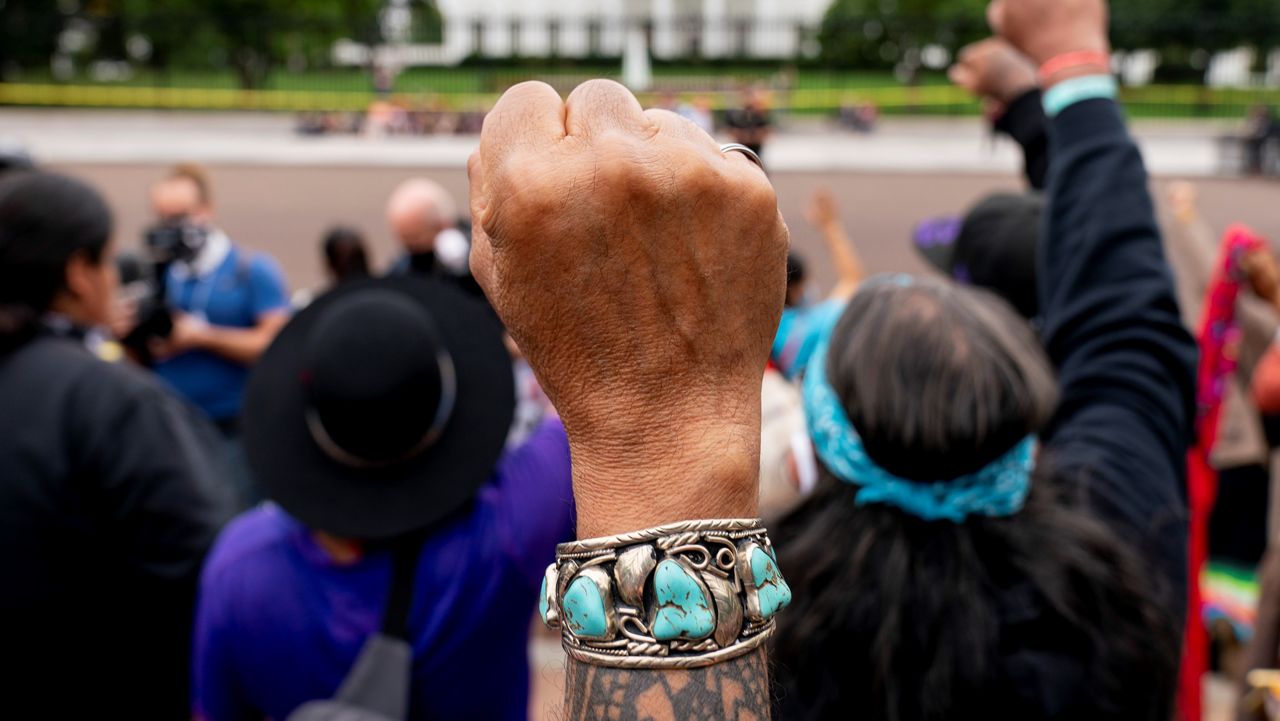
(1111, 324)
(1126, 371)
(1024, 121)
(109, 500)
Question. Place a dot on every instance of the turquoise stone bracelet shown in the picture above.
(681, 595)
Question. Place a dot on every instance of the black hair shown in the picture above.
(902, 619)
(795, 269)
(45, 221)
(796, 275)
(345, 254)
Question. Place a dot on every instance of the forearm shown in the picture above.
(730, 691)
(1024, 121)
(721, 459)
(241, 345)
(850, 271)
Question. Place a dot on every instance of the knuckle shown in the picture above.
(698, 178)
(760, 197)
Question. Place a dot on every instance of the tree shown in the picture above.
(251, 37)
(882, 33)
(29, 31)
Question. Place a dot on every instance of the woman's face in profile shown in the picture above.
(94, 285)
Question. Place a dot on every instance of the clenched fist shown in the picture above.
(642, 273)
(995, 72)
(1045, 29)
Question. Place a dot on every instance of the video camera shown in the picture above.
(177, 241)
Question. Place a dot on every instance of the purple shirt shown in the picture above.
(279, 623)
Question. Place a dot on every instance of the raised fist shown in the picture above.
(993, 71)
(1045, 29)
(642, 273)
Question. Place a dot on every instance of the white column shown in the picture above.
(715, 30)
(666, 43)
(614, 15)
(458, 41)
(574, 16)
(535, 32)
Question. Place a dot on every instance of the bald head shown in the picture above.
(417, 211)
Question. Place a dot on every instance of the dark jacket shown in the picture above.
(1126, 371)
(108, 503)
(1024, 121)
(1125, 364)
(1111, 325)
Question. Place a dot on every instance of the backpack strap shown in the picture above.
(405, 553)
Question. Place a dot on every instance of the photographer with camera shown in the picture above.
(218, 308)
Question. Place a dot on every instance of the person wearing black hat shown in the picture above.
(993, 246)
(376, 421)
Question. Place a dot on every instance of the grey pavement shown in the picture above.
(1181, 148)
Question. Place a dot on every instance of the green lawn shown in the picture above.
(804, 91)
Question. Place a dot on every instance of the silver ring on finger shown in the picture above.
(740, 148)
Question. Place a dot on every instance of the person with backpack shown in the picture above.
(397, 570)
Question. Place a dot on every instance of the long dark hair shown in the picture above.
(1039, 614)
(45, 220)
(345, 254)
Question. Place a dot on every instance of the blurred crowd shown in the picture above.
(399, 115)
(1001, 490)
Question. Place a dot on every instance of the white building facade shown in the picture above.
(757, 29)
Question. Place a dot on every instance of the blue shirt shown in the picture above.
(236, 294)
(798, 332)
(279, 623)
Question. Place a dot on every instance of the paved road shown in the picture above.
(285, 209)
(904, 145)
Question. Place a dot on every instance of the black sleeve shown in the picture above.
(1024, 121)
(159, 501)
(1126, 364)
(159, 480)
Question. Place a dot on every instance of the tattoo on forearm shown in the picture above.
(736, 690)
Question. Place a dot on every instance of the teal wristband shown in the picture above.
(1069, 92)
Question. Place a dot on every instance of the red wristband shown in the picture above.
(1067, 61)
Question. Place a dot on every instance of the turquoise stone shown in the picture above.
(583, 609)
(542, 600)
(774, 593)
(684, 610)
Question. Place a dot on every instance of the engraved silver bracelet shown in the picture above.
(681, 595)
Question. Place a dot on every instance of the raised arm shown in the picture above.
(642, 272)
(825, 216)
(1111, 322)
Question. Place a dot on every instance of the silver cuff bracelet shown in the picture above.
(682, 595)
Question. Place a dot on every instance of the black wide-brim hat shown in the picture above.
(299, 468)
(993, 246)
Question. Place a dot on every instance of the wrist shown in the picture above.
(1074, 63)
(1012, 94)
(1077, 89)
(1073, 72)
(687, 469)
